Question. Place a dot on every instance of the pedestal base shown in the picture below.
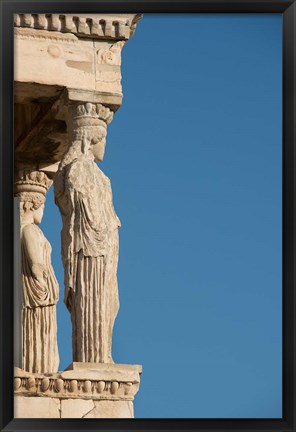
(83, 390)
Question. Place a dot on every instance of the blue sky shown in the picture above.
(194, 156)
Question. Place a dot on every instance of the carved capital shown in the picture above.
(31, 187)
(88, 121)
(27, 181)
(83, 113)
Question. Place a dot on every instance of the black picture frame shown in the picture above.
(288, 10)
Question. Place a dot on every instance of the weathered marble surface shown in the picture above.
(35, 407)
(89, 235)
(95, 26)
(76, 408)
(84, 390)
(56, 54)
(40, 290)
(116, 409)
(81, 52)
(67, 88)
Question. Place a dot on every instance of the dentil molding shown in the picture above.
(98, 26)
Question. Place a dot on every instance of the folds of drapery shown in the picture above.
(90, 256)
(39, 326)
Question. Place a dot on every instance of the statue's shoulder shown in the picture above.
(81, 176)
(102, 176)
(31, 230)
(81, 167)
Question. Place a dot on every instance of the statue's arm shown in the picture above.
(61, 196)
(34, 251)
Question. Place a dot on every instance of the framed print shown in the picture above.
(189, 324)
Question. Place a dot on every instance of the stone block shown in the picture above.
(63, 59)
(76, 408)
(53, 58)
(103, 371)
(36, 407)
(111, 409)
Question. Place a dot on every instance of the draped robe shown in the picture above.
(39, 327)
(90, 256)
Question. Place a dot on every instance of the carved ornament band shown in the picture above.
(103, 26)
(55, 386)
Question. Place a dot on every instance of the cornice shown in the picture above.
(99, 26)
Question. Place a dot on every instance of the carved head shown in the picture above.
(98, 144)
(87, 123)
(38, 214)
(31, 206)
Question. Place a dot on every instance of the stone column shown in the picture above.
(89, 235)
(39, 287)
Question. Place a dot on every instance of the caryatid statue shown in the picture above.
(89, 234)
(40, 290)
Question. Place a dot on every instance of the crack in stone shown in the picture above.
(93, 408)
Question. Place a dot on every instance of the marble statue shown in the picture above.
(40, 288)
(89, 235)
